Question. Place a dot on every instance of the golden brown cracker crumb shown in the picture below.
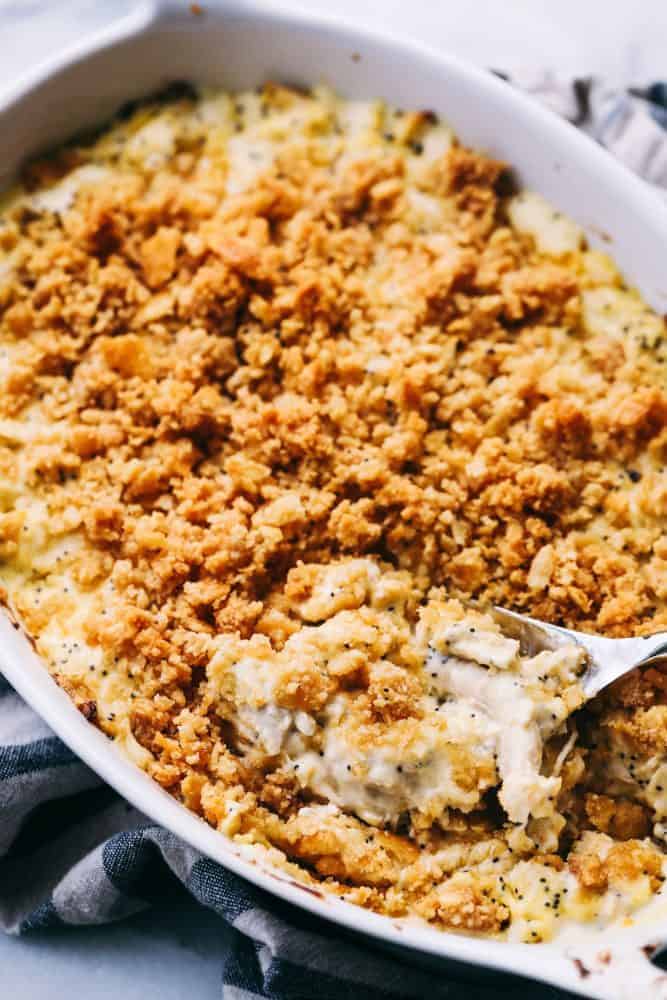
(620, 818)
(590, 872)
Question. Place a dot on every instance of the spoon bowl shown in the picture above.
(608, 659)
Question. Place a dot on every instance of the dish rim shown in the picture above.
(548, 962)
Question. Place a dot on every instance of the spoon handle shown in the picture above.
(613, 658)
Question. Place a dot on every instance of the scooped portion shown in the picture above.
(399, 721)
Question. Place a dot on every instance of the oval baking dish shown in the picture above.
(238, 46)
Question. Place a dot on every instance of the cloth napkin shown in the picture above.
(73, 852)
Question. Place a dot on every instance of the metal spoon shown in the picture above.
(608, 659)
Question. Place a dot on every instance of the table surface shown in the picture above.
(166, 953)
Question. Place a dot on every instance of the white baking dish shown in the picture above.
(237, 45)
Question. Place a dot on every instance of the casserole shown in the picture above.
(145, 48)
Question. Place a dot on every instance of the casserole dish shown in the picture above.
(236, 47)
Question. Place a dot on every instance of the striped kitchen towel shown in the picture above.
(73, 852)
(631, 124)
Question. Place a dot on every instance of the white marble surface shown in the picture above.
(623, 40)
(169, 956)
(173, 953)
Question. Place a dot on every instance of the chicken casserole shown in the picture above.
(287, 381)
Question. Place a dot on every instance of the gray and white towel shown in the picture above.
(73, 852)
(631, 124)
